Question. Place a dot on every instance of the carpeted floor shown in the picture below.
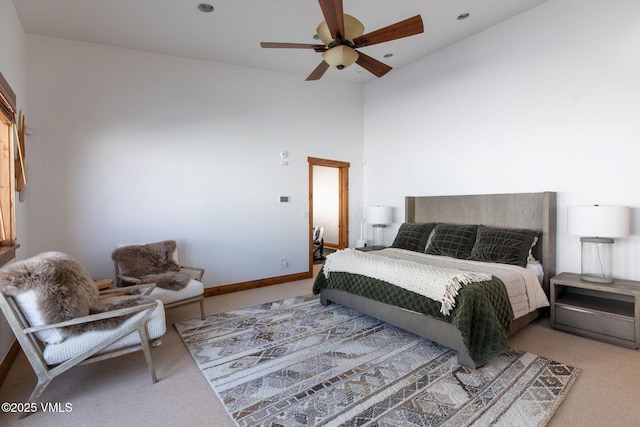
(295, 362)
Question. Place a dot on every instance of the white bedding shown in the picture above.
(525, 293)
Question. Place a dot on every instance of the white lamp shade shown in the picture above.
(379, 215)
(598, 221)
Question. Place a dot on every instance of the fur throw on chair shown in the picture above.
(63, 290)
(171, 280)
(110, 304)
(151, 263)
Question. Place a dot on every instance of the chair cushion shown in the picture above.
(77, 344)
(193, 289)
(28, 303)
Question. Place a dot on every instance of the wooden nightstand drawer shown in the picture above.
(609, 324)
(608, 312)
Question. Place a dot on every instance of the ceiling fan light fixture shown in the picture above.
(340, 56)
(352, 28)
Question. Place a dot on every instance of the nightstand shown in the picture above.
(370, 248)
(608, 312)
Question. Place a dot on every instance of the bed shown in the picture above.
(485, 325)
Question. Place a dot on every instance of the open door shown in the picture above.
(343, 203)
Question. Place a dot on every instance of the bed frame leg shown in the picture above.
(323, 299)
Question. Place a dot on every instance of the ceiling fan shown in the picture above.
(342, 34)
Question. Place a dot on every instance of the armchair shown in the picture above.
(158, 263)
(61, 320)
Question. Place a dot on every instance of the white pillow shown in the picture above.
(536, 267)
(531, 258)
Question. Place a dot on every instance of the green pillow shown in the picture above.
(452, 240)
(413, 236)
(503, 245)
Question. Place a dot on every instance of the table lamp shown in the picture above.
(378, 217)
(597, 226)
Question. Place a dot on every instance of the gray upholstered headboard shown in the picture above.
(535, 211)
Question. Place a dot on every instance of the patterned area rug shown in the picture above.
(297, 363)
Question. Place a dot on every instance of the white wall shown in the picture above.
(133, 147)
(12, 66)
(546, 101)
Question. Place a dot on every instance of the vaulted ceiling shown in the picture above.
(232, 32)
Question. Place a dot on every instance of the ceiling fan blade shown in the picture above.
(334, 16)
(293, 45)
(406, 28)
(372, 65)
(318, 72)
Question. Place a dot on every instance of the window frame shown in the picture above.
(7, 164)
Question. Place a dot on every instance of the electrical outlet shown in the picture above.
(284, 263)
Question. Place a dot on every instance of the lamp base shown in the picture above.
(378, 235)
(588, 278)
(597, 259)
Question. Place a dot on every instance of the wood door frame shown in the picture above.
(343, 203)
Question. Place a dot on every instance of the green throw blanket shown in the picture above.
(482, 313)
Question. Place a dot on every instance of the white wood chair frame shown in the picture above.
(195, 272)
(33, 347)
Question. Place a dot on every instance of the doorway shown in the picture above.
(341, 190)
